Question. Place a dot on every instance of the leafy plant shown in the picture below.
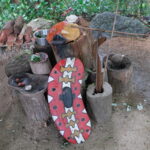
(35, 58)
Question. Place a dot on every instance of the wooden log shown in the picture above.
(35, 106)
(33, 102)
(81, 48)
(84, 47)
(9, 27)
(6, 31)
(120, 78)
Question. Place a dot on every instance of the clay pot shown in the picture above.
(42, 67)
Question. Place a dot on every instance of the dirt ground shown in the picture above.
(125, 131)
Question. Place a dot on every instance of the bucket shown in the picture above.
(40, 37)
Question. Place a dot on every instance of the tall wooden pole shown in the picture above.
(99, 74)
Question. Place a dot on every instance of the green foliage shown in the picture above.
(53, 9)
(31, 9)
(35, 58)
(135, 7)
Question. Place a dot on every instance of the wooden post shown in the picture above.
(99, 75)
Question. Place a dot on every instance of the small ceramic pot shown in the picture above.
(41, 67)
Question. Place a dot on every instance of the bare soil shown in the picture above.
(125, 131)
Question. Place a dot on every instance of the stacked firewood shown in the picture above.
(15, 33)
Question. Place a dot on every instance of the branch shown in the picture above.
(109, 31)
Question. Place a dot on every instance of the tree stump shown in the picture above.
(100, 104)
(33, 101)
(83, 48)
(74, 40)
(35, 106)
(120, 70)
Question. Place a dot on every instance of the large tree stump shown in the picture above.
(75, 40)
(83, 48)
(35, 106)
(33, 101)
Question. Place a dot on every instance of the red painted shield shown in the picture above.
(65, 100)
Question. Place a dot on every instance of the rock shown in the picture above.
(83, 22)
(9, 24)
(20, 37)
(28, 87)
(19, 42)
(3, 37)
(40, 23)
(123, 24)
(72, 19)
(18, 25)
(9, 27)
(11, 39)
(6, 31)
(28, 34)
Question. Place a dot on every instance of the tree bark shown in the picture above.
(33, 102)
(35, 106)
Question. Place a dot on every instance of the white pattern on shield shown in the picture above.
(70, 63)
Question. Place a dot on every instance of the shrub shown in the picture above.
(53, 9)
